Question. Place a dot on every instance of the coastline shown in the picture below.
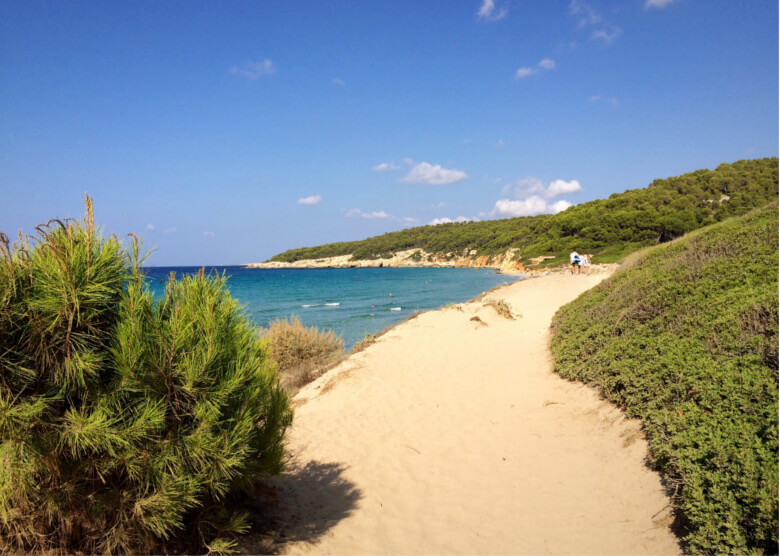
(451, 434)
(504, 262)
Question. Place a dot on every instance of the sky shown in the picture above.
(226, 132)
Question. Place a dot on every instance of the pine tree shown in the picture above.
(126, 423)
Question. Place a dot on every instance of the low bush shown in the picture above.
(685, 338)
(126, 424)
(300, 353)
(363, 343)
(501, 306)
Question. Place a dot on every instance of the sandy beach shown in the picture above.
(451, 435)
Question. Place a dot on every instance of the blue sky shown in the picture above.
(225, 132)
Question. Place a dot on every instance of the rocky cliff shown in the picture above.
(504, 262)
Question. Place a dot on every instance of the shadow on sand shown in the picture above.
(300, 505)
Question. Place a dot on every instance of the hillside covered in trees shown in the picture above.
(609, 228)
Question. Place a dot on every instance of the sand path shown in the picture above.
(451, 436)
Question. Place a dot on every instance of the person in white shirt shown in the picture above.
(574, 259)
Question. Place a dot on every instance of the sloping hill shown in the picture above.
(686, 338)
(610, 228)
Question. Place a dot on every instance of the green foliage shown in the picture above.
(126, 425)
(300, 353)
(686, 338)
(608, 228)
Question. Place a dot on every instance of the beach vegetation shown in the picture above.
(127, 424)
(300, 353)
(364, 342)
(685, 337)
(501, 306)
(607, 228)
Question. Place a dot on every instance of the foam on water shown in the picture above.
(364, 306)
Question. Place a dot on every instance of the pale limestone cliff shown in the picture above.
(505, 262)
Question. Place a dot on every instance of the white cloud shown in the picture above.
(434, 175)
(488, 11)
(311, 200)
(407, 160)
(560, 187)
(150, 227)
(559, 206)
(408, 220)
(584, 13)
(385, 167)
(254, 70)
(367, 215)
(525, 187)
(608, 36)
(528, 187)
(508, 208)
(658, 3)
(545, 63)
(338, 81)
(500, 143)
(532, 197)
(598, 98)
(524, 72)
(169, 231)
(531, 206)
(587, 16)
(208, 234)
(445, 220)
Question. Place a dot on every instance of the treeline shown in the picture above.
(609, 228)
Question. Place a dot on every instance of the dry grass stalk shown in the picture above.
(301, 353)
(501, 306)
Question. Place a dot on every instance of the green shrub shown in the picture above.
(300, 353)
(686, 337)
(126, 424)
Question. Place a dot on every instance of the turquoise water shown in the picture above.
(352, 302)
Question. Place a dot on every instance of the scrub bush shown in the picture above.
(501, 306)
(685, 338)
(126, 424)
(300, 353)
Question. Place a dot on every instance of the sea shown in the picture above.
(352, 302)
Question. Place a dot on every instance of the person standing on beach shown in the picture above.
(574, 259)
(586, 262)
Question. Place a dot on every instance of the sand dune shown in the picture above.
(451, 435)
